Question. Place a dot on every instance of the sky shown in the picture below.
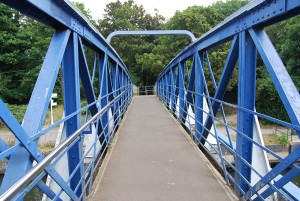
(167, 8)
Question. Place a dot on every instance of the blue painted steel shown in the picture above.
(246, 99)
(189, 89)
(151, 32)
(199, 87)
(251, 18)
(104, 94)
(245, 29)
(242, 20)
(86, 81)
(285, 86)
(181, 86)
(35, 114)
(223, 83)
(28, 144)
(172, 83)
(69, 52)
(72, 104)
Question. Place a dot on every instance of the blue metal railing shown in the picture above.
(183, 87)
(82, 145)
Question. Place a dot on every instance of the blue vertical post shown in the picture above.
(116, 92)
(71, 104)
(246, 99)
(199, 89)
(122, 89)
(172, 83)
(104, 97)
(161, 88)
(181, 89)
(168, 88)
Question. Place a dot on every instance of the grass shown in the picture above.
(232, 124)
(270, 139)
(57, 114)
(48, 145)
(19, 112)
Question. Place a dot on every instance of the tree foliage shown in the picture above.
(130, 16)
(24, 43)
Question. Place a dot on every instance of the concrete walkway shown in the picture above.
(153, 160)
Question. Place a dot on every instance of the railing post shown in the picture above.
(246, 99)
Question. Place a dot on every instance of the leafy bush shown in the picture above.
(18, 111)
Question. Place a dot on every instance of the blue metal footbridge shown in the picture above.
(86, 134)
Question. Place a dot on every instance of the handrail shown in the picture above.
(18, 186)
(190, 100)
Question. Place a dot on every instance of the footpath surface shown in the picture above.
(154, 160)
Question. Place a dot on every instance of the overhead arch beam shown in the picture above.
(151, 32)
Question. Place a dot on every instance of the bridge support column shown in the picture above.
(168, 89)
(72, 104)
(246, 99)
(199, 88)
(181, 89)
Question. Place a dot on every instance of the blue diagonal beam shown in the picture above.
(35, 114)
(3, 145)
(86, 79)
(294, 172)
(31, 148)
(116, 88)
(223, 83)
(283, 82)
(257, 13)
(285, 163)
(189, 91)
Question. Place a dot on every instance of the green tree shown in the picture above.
(129, 16)
(286, 39)
(198, 20)
(23, 45)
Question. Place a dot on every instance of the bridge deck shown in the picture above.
(154, 160)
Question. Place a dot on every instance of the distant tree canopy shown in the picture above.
(24, 43)
(129, 16)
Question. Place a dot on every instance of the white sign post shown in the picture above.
(52, 103)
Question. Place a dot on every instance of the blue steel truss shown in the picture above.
(73, 32)
(245, 28)
(66, 51)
